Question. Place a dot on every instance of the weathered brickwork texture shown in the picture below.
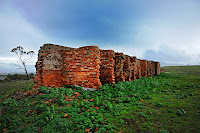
(138, 69)
(107, 71)
(88, 67)
(157, 68)
(133, 68)
(119, 65)
(143, 65)
(127, 68)
(82, 66)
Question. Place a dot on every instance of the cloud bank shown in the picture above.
(166, 31)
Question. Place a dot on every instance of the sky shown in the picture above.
(167, 31)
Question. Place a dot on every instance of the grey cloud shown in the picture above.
(168, 56)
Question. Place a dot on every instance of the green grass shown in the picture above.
(7, 87)
(165, 103)
(190, 74)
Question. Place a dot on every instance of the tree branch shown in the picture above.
(19, 51)
(18, 65)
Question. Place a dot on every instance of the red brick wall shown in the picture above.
(88, 67)
(133, 68)
(138, 69)
(119, 64)
(127, 68)
(157, 68)
(107, 74)
(49, 66)
(143, 64)
(148, 68)
(153, 68)
(37, 79)
(81, 66)
(52, 78)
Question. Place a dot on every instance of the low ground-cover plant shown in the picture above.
(7, 88)
(73, 108)
(146, 105)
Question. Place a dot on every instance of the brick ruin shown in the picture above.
(88, 66)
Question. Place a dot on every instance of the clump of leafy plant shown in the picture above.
(163, 131)
(181, 112)
(159, 104)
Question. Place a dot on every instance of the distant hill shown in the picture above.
(11, 68)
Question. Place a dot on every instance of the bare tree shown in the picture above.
(23, 57)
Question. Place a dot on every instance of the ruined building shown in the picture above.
(88, 66)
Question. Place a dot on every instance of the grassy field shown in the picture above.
(189, 74)
(168, 103)
(12, 86)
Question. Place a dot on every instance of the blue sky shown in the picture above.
(163, 30)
